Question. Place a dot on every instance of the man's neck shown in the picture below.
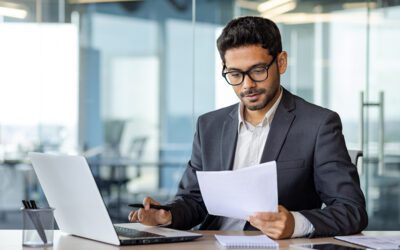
(254, 117)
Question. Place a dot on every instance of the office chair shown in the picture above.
(113, 130)
(120, 178)
(355, 155)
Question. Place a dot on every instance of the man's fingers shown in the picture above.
(146, 217)
(271, 229)
(267, 216)
(274, 233)
(130, 215)
(147, 201)
(262, 224)
(140, 214)
(152, 217)
(259, 223)
(265, 227)
(276, 225)
(133, 216)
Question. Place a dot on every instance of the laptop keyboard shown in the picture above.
(133, 233)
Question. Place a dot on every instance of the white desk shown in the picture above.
(12, 240)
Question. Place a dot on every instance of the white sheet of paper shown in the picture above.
(240, 193)
(373, 242)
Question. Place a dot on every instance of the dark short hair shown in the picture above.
(250, 30)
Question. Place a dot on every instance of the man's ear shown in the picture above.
(281, 60)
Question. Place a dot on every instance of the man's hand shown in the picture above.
(149, 216)
(275, 225)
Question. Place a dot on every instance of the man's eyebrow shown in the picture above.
(232, 69)
(253, 66)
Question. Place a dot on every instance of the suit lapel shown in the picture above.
(229, 139)
(279, 127)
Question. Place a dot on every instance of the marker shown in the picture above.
(138, 205)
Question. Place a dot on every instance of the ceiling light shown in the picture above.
(355, 5)
(271, 4)
(12, 10)
(347, 18)
(98, 1)
(244, 4)
(279, 10)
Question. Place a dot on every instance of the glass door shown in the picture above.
(381, 116)
(344, 56)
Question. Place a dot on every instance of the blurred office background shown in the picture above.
(123, 82)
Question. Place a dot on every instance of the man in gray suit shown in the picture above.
(269, 124)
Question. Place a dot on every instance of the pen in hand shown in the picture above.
(138, 205)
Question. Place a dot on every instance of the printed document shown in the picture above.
(240, 193)
(373, 242)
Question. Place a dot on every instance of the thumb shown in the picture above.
(147, 201)
(282, 209)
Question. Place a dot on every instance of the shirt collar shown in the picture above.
(268, 116)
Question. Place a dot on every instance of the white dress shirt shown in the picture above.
(249, 148)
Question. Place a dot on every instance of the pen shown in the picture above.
(33, 204)
(35, 219)
(138, 205)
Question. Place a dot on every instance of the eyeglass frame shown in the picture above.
(244, 73)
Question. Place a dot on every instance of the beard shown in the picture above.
(260, 103)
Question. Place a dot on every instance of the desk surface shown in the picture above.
(12, 239)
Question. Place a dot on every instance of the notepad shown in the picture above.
(258, 241)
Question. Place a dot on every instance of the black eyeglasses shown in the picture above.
(257, 73)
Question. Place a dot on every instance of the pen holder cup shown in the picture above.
(38, 227)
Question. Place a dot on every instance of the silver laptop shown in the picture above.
(70, 188)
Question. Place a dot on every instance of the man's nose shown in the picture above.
(248, 83)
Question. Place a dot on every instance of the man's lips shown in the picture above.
(252, 97)
(252, 94)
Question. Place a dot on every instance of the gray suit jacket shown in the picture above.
(313, 167)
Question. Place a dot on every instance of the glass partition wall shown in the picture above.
(381, 120)
(115, 81)
(123, 82)
(343, 56)
(39, 55)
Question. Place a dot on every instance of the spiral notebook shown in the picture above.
(258, 241)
